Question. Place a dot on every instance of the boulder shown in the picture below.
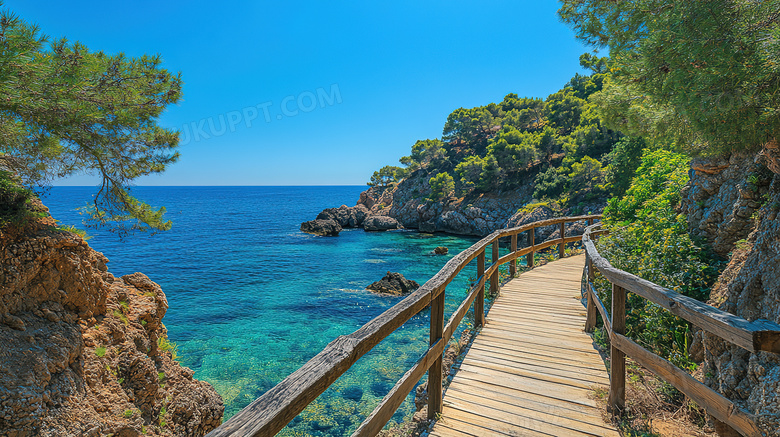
(394, 283)
(440, 250)
(325, 228)
(380, 223)
(345, 216)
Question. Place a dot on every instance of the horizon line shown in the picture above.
(212, 186)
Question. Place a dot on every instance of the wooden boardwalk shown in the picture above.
(532, 370)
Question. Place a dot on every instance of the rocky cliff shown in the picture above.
(734, 203)
(84, 353)
(406, 205)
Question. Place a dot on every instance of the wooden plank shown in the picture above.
(577, 368)
(562, 420)
(529, 261)
(537, 372)
(707, 398)
(752, 336)
(591, 319)
(532, 357)
(494, 285)
(435, 394)
(527, 400)
(558, 390)
(605, 317)
(513, 262)
(617, 359)
(596, 376)
(562, 245)
(560, 359)
(538, 344)
(491, 427)
(479, 305)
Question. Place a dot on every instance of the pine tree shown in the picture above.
(65, 110)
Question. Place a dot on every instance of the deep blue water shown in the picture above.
(252, 298)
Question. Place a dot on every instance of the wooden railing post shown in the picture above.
(513, 263)
(435, 395)
(562, 246)
(479, 301)
(590, 321)
(529, 260)
(617, 359)
(494, 276)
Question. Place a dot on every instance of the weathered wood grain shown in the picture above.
(617, 358)
(712, 401)
(531, 370)
(760, 335)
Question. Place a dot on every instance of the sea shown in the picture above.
(252, 298)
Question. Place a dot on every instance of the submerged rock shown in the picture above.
(440, 250)
(394, 283)
(324, 228)
(380, 223)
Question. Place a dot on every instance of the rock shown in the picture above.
(395, 284)
(440, 250)
(722, 196)
(353, 393)
(325, 228)
(724, 203)
(524, 217)
(380, 223)
(76, 357)
(345, 216)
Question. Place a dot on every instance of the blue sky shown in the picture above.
(319, 93)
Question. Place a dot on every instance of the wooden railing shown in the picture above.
(758, 335)
(273, 410)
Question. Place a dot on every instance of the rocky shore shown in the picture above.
(406, 205)
(85, 353)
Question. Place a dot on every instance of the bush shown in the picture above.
(649, 239)
(13, 200)
(442, 186)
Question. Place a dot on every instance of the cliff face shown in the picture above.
(734, 204)
(474, 214)
(83, 353)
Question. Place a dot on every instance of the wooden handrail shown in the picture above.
(758, 335)
(272, 411)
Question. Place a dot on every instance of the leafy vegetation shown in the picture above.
(559, 145)
(14, 200)
(701, 75)
(165, 345)
(70, 110)
(650, 239)
(442, 186)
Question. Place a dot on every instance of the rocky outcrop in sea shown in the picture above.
(85, 353)
(406, 205)
(395, 284)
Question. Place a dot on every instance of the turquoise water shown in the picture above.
(252, 298)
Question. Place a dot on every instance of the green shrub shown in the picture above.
(442, 186)
(649, 239)
(13, 200)
(166, 345)
(100, 351)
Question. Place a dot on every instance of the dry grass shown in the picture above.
(655, 409)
